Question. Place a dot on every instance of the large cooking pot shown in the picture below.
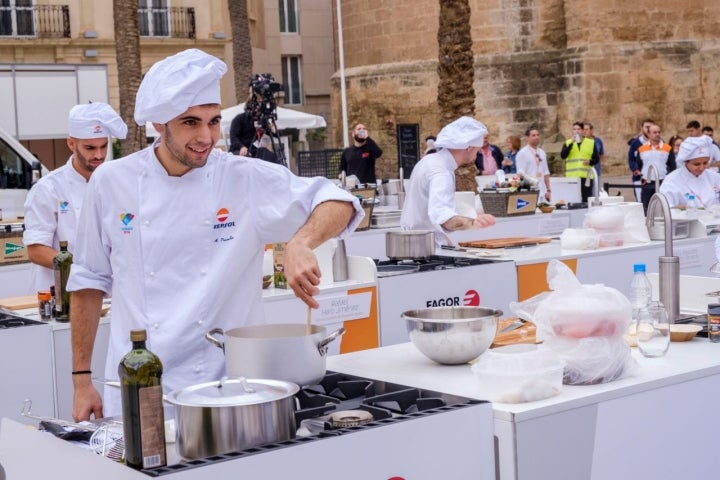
(282, 351)
(232, 414)
(409, 244)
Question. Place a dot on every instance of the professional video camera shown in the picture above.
(265, 88)
(263, 105)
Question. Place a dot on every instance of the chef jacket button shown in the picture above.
(197, 369)
(146, 222)
(152, 274)
(156, 326)
(203, 271)
(200, 322)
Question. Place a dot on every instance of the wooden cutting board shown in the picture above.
(19, 303)
(505, 242)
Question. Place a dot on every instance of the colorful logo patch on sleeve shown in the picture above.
(64, 204)
(126, 218)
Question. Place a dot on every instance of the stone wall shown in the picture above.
(549, 62)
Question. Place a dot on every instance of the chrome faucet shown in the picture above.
(651, 169)
(596, 187)
(669, 265)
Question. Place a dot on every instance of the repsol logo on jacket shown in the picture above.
(470, 299)
(222, 216)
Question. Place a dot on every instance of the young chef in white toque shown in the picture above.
(53, 204)
(692, 175)
(176, 232)
(430, 198)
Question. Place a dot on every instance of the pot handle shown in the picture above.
(209, 337)
(323, 345)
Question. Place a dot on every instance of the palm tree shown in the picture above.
(242, 51)
(456, 71)
(127, 51)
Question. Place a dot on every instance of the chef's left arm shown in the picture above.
(40, 225)
(326, 221)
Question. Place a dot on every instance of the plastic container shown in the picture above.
(611, 239)
(519, 373)
(640, 290)
(691, 212)
(579, 239)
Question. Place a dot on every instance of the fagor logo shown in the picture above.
(470, 299)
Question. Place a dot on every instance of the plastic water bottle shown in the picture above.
(691, 212)
(640, 290)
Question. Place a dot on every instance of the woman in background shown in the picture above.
(513, 146)
(674, 143)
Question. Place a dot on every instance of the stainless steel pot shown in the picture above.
(409, 244)
(232, 414)
(283, 351)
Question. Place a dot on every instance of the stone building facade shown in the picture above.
(547, 62)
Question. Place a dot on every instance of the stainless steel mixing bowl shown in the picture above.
(452, 335)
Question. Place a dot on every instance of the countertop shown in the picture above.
(404, 364)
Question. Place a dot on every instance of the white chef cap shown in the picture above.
(95, 120)
(461, 133)
(694, 147)
(171, 86)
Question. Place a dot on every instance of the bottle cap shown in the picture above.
(639, 267)
(138, 335)
(63, 243)
(713, 308)
(44, 295)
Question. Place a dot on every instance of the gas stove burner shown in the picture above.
(387, 268)
(350, 418)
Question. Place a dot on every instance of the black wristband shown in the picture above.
(82, 372)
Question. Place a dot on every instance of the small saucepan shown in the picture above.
(410, 244)
(283, 351)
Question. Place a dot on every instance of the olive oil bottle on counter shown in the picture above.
(61, 267)
(140, 374)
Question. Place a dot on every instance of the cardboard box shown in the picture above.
(12, 249)
(279, 265)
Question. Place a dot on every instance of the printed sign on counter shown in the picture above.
(342, 307)
(689, 257)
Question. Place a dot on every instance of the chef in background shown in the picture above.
(176, 233)
(53, 204)
(692, 175)
(430, 198)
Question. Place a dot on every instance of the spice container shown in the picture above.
(44, 305)
(714, 322)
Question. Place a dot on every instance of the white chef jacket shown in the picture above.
(52, 208)
(183, 255)
(527, 163)
(430, 198)
(680, 182)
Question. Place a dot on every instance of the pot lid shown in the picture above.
(233, 391)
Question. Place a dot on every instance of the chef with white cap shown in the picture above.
(176, 232)
(430, 198)
(692, 175)
(53, 204)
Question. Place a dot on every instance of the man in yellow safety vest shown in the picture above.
(580, 154)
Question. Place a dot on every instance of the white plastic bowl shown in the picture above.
(519, 373)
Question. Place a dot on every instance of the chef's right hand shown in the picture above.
(243, 152)
(483, 220)
(86, 400)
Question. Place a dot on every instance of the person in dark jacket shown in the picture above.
(487, 168)
(359, 159)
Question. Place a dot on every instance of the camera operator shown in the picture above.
(258, 119)
(242, 130)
